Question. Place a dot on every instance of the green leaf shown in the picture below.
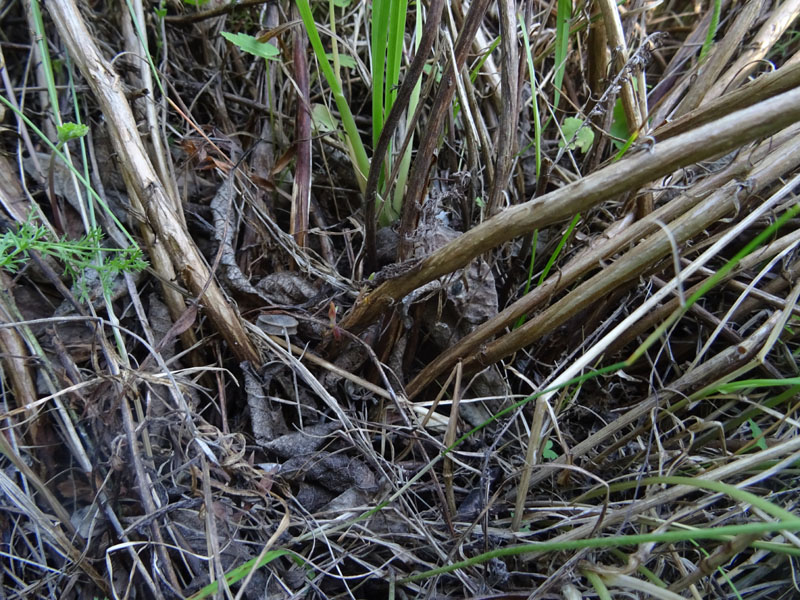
(548, 451)
(251, 45)
(584, 138)
(71, 131)
(619, 126)
(322, 119)
(342, 3)
(344, 60)
(757, 433)
(563, 15)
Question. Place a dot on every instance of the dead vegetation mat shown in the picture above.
(558, 373)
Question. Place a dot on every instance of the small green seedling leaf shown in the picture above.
(584, 138)
(322, 119)
(548, 452)
(480, 202)
(757, 434)
(345, 60)
(71, 131)
(251, 45)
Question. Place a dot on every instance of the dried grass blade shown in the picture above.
(732, 131)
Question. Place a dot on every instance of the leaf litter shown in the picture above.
(258, 396)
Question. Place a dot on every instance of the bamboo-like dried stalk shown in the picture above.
(144, 185)
(725, 134)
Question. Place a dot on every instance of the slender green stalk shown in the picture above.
(667, 537)
(537, 125)
(550, 261)
(378, 41)
(394, 50)
(80, 177)
(527, 289)
(355, 146)
(712, 30)
(714, 280)
(239, 573)
(405, 160)
(597, 583)
(563, 15)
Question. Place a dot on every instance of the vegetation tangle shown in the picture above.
(395, 299)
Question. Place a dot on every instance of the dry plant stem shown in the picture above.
(731, 360)
(599, 57)
(61, 543)
(531, 458)
(304, 354)
(669, 90)
(138, 46)
(75, 444)
(301, 186)
(773, 28)
(661, 313)
(723, 50)
(766, 173)
(216, 572)
(509, 84)
(142, 181)
(468, 115)
(618, 236)
(218, 11)
(449, 440)
(145, 488)
(15, 357)
(490, 72)
(743, 464)
(484, 141)
(7, 182)
(418, 177)
(719, 557)
(658, 245)
(772, 287)
(273, 539)
(707, 141)
(766, 86)
(619, 49)
(429, 33)
(25, 470)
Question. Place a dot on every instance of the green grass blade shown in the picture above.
(381, 10)
(240, 572)
(521, 320)
(563, 16)
(356, 147)
(396, 205)
(667, 537)
(537, 125)
(712, 30)
(550, 261)
(715, 279)
(559, 248)
(394, 54)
